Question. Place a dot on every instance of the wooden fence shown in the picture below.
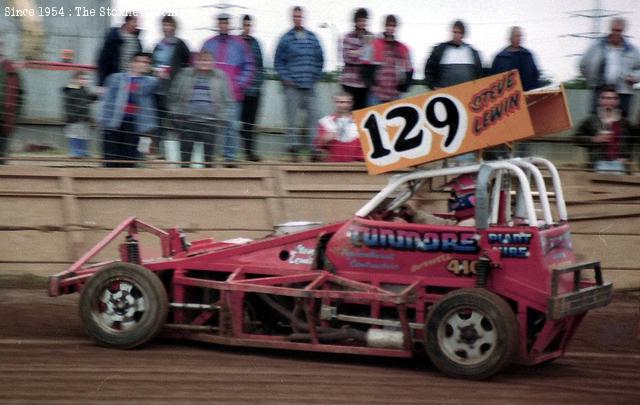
(49, 216)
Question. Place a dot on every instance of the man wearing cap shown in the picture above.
(232, 56)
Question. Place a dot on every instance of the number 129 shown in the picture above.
(442, 114)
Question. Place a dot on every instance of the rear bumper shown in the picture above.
(582, 298)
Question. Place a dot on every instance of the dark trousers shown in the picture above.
(359, 95)
(4, 144)
(197, 131)
(121, 144)
(248, 118)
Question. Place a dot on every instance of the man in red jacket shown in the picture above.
(391, 60)
(338, 134)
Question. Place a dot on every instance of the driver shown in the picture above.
(461, 206)
(407, 213)
(463, 199)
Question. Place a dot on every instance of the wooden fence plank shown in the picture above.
(34, 246)
(45, 215)
(236, 213)
(31, 212)
(614, 251)
(71, 218)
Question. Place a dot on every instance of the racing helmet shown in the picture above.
(463, 198)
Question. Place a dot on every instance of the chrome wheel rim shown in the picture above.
(467, 336)
(120, 307)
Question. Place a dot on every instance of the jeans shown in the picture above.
(78, 147)
(609, 166)
(231, 139)
(78, 134)
(295, 99)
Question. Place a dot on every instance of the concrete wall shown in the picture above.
(81, 34)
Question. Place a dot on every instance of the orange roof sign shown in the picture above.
(449, 122)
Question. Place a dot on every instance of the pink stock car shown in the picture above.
(475, 295)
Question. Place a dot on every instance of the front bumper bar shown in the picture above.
(580, 299)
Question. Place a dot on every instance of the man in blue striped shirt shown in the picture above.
(299, 61)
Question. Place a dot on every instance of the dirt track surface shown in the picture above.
(45, 356)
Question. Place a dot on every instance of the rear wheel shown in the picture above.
(471, 333)
(123, 305)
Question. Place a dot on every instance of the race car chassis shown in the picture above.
(253, 293)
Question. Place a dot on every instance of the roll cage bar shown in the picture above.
(523, 169)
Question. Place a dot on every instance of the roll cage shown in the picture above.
(492, 178)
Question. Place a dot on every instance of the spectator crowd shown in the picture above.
(184, 97)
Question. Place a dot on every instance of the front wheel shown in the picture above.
(123, 305)
(471, 333)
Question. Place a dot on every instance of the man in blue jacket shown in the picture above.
(128, 111)
(515, 56)
(299, 61)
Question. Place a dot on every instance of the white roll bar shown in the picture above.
(542, 188)
(557, 185)
(397, 181)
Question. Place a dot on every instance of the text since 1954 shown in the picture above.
(35, 12)
(77, 11)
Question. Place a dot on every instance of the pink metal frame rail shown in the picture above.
(317, 286)
(79, 271)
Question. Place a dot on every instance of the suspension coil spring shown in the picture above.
(482, 271)
(133, 250)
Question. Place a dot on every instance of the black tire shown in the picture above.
(471, 333)
(135, 310)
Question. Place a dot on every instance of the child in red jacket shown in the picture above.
(338, 134)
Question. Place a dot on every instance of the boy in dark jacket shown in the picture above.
(77, 100)
(607, 135)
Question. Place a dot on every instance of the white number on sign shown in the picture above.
(442, 114)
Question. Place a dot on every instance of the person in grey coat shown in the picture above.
(200, 105)
(128, 111)
(612, 61)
